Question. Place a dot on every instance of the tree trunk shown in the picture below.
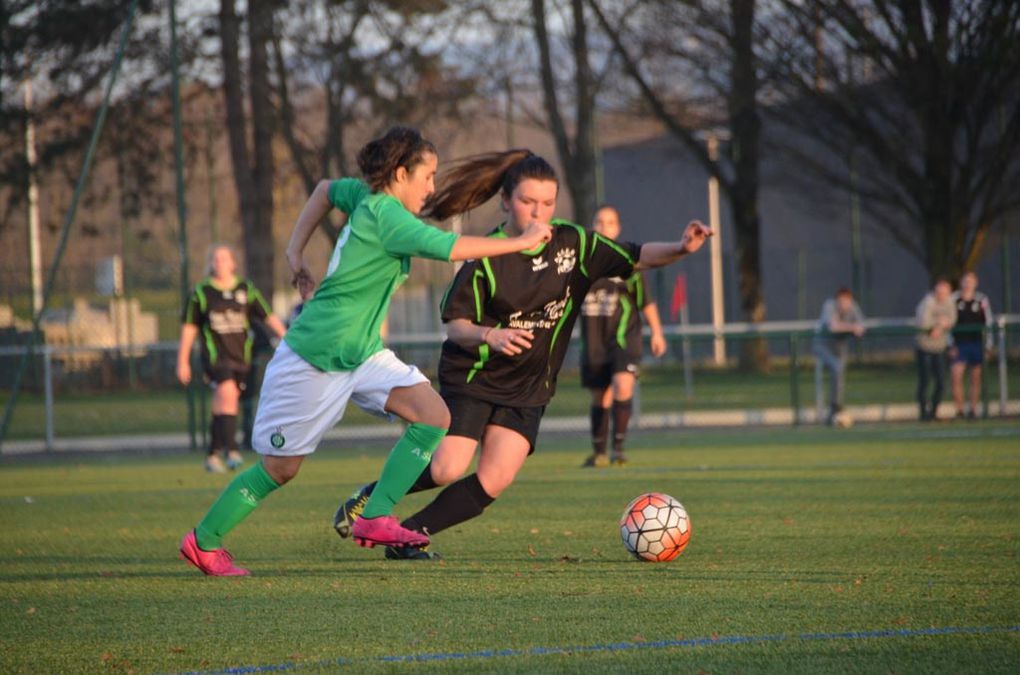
(259, 244)
(583, 182)
(745, 126)
(578, 156)
(234, 105)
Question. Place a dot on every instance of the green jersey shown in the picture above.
(339, 327)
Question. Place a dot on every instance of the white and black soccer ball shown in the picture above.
(655, 527)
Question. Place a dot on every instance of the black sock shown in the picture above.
(459, 502)
(621, 418)
(599, 428)
(216, 434)
(424, 481)
(229, 432)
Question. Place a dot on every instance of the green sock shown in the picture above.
(407, 460)
(233, 505)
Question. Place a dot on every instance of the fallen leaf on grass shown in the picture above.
(531, 551)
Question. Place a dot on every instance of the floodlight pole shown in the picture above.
(715, 251)
(34, 249)
(182, 214)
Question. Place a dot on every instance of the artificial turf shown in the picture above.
(812, 550)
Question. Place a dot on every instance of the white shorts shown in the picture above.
(299, 403)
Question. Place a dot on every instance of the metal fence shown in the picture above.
(76, 397)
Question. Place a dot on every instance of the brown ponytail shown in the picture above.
(398, 147)
(474, 180)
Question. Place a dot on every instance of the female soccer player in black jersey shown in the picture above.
(508, 321)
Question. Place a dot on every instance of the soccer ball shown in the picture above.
(655, 527)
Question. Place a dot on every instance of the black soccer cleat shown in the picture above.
(411, 553)
(618, 459)
(598, 460)
(351, 509)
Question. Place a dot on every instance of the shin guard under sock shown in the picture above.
(237, 500)
(409, 457)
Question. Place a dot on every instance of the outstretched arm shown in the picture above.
(315, 209)
(470, 248)
(659, 254)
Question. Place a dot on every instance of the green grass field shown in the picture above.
(902, 529)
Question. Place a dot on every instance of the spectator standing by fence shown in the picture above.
(936, 316)
(840, 320)
(970, 339)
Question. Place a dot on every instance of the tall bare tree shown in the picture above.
(577, 150)
(366, 64)
(252, 161)
(921, 98)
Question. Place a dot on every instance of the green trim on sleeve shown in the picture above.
(479, 274)
(200, 293)
(559, 324)
(637, 282)
(210, 344)
(484, 354)
(491, 276)
(621, 329)
(613, 245)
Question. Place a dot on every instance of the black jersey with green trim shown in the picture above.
(540, 290)
(610, 316)
(224, 318)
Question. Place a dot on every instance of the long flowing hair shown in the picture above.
(471, 181)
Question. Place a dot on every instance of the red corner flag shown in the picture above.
(679, 295)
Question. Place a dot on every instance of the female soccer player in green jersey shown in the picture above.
(333, 352)
(508, 323)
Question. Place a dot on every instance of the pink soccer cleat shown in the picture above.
(385, 531)
(215, 563)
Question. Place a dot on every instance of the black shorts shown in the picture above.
(970, 353)
(469, 417)
(221, 372)
(598, 374)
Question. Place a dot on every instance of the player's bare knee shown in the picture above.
(281, 469)
(444, 473)
(494, 482)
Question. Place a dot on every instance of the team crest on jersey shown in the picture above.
(277, 440)
(565, 260)
(538, 263)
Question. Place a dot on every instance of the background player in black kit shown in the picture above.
(508, 323)
(222, 308)
(611, 347)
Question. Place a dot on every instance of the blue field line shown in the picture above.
(626, 646)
